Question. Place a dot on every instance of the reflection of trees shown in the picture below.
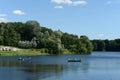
(9, 63)
(37, 68)
(41, 71)
(35, 71)
(82, 67)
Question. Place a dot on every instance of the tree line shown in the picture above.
(31, 35)
(106, 45)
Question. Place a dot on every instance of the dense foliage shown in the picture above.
(31, 35)
(106, 45)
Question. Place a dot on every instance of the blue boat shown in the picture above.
(24, 59)
(20, 58)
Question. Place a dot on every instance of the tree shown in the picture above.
(2, 33)
(100, 45)
(28, 44)
(24, 44)
(32, 23)
(58, 33)
(68, 40)
(32, 29)
(46, 35)
(33, 43)
(84, 45)
(11, 37)
(32, 35)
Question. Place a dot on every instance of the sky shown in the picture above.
(97, 19)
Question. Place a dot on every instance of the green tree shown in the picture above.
(84, 45)
(32, 29)
(99, 45)
(2, 25)
(11, 37)
(68, 40)
(32, 35)
(33, 43)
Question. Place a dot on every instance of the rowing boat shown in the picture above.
(71, 60)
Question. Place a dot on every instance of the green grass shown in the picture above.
(29, 52)
(22, 53)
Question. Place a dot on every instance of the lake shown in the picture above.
(97, 66)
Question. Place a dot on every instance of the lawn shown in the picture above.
(24, 52)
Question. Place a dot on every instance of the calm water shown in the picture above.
(97, 66)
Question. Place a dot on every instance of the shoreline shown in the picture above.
(22, 53)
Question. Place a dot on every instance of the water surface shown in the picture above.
(97, 66)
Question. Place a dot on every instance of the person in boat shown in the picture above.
(22, 59)
(74, 60)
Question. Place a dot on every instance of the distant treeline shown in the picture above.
(31, 35)
(106, 45)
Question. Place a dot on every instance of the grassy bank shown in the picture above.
(27, 52)
(22, 53)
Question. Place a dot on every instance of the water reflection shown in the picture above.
(10, 64)
(98, 66)
(33, 71)
(29, 71)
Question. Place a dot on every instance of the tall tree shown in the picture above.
(32, 29)
(84, 45)
(11, 37)
(2, 28)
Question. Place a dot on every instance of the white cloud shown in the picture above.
(62, 1)
(58, 7)
(82, 2)
(18, 12)
(3, 15)
(70, 2)
(3, 20)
